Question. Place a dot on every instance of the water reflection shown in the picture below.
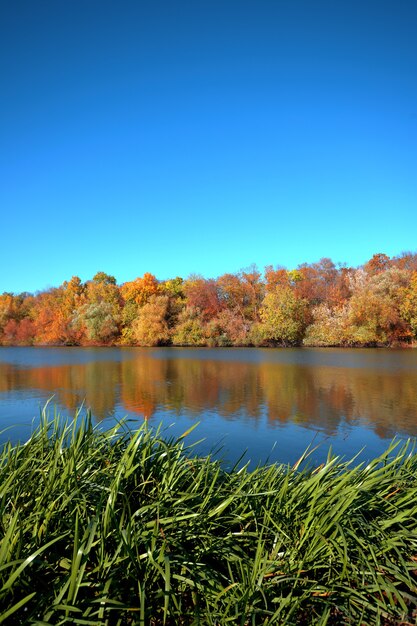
(314, 394)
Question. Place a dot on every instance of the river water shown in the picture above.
(271, 403)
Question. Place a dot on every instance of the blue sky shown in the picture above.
(180, 137)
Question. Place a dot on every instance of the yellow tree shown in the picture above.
(135, 294)
(151, 328)
(408, 306)
(328, 327)
(103, 288)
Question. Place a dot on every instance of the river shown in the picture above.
(271, 403)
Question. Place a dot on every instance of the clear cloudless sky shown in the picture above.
(182, 137)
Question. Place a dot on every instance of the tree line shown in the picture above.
(316, 304)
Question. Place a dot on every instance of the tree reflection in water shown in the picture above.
(314, 395)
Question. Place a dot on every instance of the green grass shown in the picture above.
(121, 528)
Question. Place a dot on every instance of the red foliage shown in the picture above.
(203, 294)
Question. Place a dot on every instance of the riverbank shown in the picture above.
(394, 346)
(120, 528)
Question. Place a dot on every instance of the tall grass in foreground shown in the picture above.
(128, 528)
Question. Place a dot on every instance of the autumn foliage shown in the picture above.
(317, 304)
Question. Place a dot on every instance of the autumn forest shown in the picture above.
(318, 304)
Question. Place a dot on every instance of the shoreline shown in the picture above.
(397, 346)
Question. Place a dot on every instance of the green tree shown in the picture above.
(189, 331)
(283, 317)
(97, 321)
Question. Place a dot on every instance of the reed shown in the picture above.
(121, 527)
